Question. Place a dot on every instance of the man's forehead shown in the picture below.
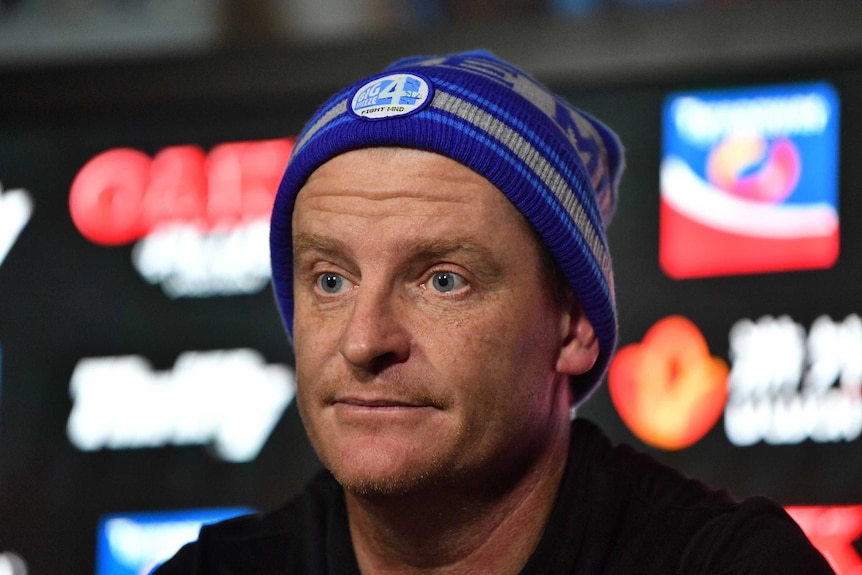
(434, 196)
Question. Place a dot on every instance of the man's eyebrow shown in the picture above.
(481, 258)
(303, 243)
(429, 249)
(443, 248)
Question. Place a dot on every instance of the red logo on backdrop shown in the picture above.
(669, 390)
(122, 195)
(833, 530)
(201, 220)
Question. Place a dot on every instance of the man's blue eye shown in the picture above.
(446, 281)
(331, 283)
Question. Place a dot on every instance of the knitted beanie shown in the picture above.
(557, 165)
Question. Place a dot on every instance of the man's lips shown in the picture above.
(379, 402)
(375, 410)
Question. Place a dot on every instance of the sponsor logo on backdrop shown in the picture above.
(134, 543)
(836, 532)
(16, 207)
(228, 400)
(668, 389)
(749, 181)
(788, 384)
(785, 384)
(199, 222)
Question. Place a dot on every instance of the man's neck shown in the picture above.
(449, 530)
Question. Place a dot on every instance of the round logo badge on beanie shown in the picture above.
(391, 96)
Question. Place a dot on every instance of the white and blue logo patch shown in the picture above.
(391, 96)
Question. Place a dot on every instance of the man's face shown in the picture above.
(425, 328)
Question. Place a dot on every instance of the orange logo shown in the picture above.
(668, 389)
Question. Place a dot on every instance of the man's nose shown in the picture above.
(375, 336)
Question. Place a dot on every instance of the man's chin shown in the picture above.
(371, 487)
(370, 473)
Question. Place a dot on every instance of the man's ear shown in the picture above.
(580, 346)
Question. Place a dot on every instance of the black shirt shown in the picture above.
(618, 512)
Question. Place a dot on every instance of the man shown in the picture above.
(440, 261)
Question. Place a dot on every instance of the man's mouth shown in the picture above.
(378, 402)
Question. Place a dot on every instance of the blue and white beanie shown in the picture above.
(557, 165)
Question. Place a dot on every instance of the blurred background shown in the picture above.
(146, 382)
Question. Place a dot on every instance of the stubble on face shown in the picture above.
(364, 478)
(372, 458)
